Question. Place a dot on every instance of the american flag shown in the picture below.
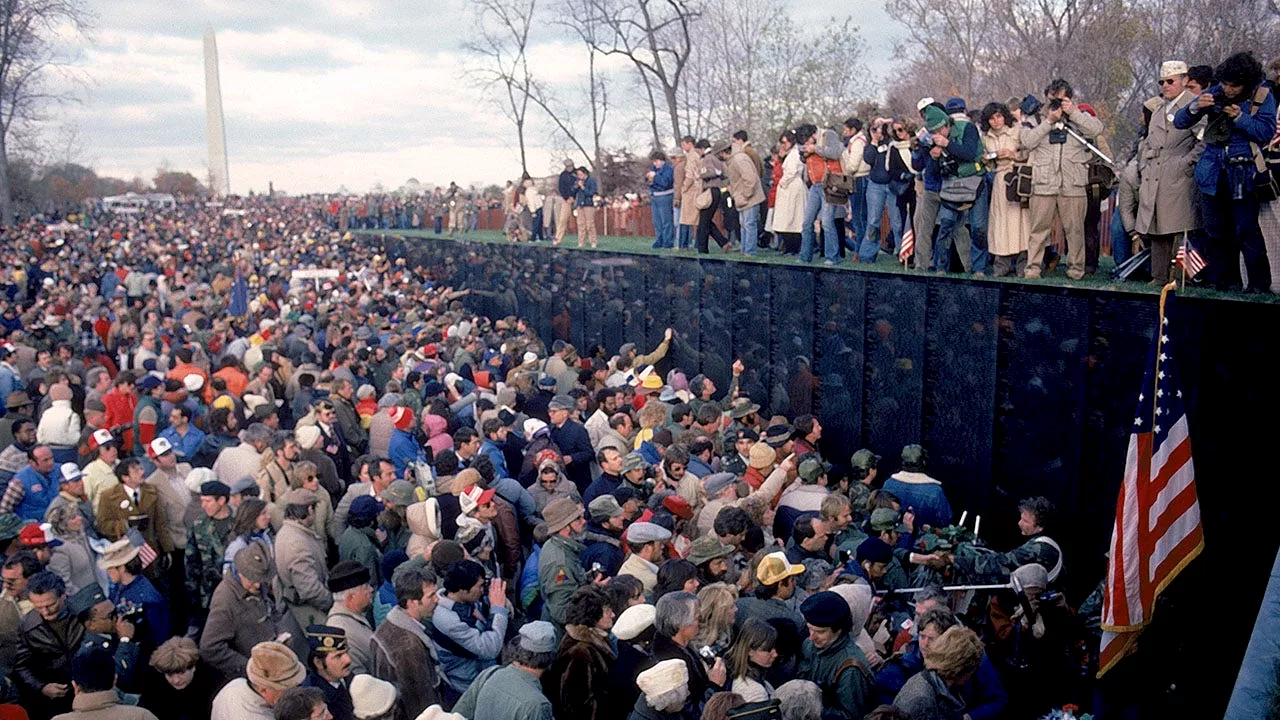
(146, 553)
(908, 245)
(1157, 529)
(1188, 259)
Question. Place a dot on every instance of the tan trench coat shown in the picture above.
(1010, 223)
(1167, 197)
(690, 187)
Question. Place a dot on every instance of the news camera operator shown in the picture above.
(1241, 116)
(1059, 177)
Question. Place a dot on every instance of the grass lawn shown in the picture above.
(1101, 280)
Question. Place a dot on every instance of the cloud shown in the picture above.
(316, 93)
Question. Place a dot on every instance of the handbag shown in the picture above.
(1017, 184)
(837, 187)
(703, 201)
(960, 190)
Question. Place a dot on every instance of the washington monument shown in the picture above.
(219, 178)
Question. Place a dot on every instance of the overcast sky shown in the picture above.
(317, 94)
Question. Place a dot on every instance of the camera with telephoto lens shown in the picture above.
(1219, 101)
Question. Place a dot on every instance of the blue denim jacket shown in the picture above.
(1234, 157)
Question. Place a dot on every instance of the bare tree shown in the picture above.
(27, 55)
(502, 43)
(955, 33)
(655, 35)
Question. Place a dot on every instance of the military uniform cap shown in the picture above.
(811, 468)
(325, 639)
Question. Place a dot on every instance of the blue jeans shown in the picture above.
(816, 205)
(663, 221)
(879, 197)
(950, 217)
(749, 219)
(980, 258)
(857, 212)
(685, 237)
(1121, 248)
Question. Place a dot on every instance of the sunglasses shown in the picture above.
(676, 467)
(1168, 81)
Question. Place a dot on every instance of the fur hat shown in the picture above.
(273, 666)
(371, 697)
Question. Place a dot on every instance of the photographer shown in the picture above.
(957, 149)
(888, 153)
(1241, 113)
(1059, 175)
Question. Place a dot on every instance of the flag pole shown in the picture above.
(1183, 263)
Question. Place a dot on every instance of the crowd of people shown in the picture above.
(964, 189)
(253, 468)
(994, 182)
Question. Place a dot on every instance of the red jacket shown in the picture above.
(120, 408)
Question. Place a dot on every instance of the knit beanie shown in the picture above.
(761, 456)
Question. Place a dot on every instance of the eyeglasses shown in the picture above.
(1168, 81)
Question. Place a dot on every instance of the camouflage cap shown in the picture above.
(913, 455)
(811, 468)
(864, 459)
(885, 519)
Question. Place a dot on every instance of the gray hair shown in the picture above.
(801, 700)
(256, 433)
(674, 611)
(389, 400)
(930, 592)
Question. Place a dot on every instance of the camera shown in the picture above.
(925, 137)
(845, 556)
(707, 655)
(596, 572)
(129, 611)
(1057, 136)
(1219, 101)
(1055, 104)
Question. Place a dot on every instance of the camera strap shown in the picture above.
(1259, 97)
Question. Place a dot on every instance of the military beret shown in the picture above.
(647, 532)
(215, 488)
(826, 609)
(874, 550)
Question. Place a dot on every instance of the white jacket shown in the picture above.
(59, 426)
(852, 160)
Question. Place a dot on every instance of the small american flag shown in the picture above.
(1157, 527)
(146, 553)
(1188, 259)
(908, 245)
